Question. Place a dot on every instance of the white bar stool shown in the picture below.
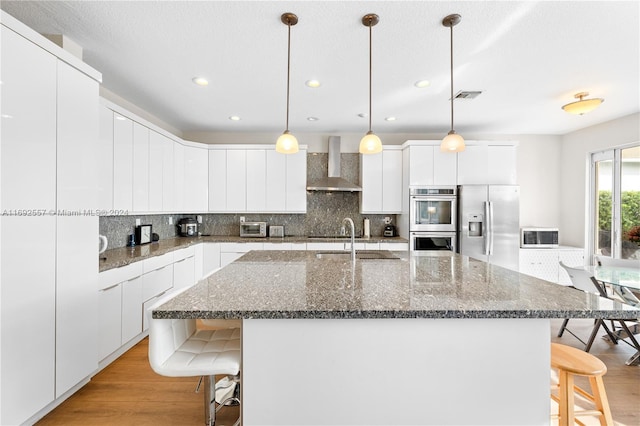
(178, 349)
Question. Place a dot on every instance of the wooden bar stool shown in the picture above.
(571, 362)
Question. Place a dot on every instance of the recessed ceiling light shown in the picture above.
(312, 83)
(234, 118)
(390, 119)
(313, 118)
(421, 84)
(6, 116)
(200, 81)
(363, 115)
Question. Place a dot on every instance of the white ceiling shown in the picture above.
(528, 59)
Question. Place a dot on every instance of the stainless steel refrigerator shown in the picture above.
(489, 223)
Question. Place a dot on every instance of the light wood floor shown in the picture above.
(128, 392)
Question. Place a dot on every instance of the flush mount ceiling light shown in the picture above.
(453, 142)
(582, 106)
(370, 143)
(421, 84)
(200, 81)
(234, 118)
(287, 143)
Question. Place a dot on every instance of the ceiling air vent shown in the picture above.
(467, 94)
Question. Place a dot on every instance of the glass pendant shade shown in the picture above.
(582, 106)
(453, 142)
(370, 144)
(287, 143)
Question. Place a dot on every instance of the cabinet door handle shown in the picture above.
(110, 287)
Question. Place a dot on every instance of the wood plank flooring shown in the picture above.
(128, 392)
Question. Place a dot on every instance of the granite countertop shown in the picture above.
(297, 284)
(115, 258)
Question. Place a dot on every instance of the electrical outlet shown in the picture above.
(137, 222)
(170, 220)
(387, 220)
(241, 219)
(199, 218)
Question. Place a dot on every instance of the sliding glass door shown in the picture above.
(615, 203)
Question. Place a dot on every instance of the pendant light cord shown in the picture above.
(451, 71)
(288, 69)
(370, 71)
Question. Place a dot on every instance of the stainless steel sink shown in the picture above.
(363, 255)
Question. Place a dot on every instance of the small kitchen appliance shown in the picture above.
(253, 229)
(276, 231)
(539, 237)
(188, 227)
(390, 231)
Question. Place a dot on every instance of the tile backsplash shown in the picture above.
(325, 212)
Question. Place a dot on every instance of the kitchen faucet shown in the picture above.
(353, 232)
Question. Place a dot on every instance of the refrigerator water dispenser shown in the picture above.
(475, 225)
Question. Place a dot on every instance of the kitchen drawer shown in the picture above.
(240, 247)
(157, 262)
(114, 276)
(277, 246)
(156, 282)
(298, 246)
(363, 246)
(325, 246)
(178, 255)
(394, 246)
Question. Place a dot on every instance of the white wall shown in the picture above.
(574, 155)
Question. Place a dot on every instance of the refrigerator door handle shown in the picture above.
(490, 228)
(487, 230)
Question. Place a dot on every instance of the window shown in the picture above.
(615, 203)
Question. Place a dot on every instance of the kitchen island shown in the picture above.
(420, 339)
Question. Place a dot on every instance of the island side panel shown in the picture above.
(395, 371)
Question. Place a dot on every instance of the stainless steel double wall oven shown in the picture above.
(433, 219)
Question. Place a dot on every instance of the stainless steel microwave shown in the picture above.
(253, 229)
(538, 237)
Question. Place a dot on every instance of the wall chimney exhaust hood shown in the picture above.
(333, 182)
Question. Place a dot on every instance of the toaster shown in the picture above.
(276, 231)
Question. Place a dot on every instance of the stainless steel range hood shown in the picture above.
(333, 182)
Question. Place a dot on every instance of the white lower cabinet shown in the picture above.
(131, 313)
(184, 268)
(210, 258)
(545, 263)
(157, 282)
(232, 251)
(109, 320)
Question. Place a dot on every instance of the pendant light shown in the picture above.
(453, 142)
(582, 106)
(370, 143)
(287, 143)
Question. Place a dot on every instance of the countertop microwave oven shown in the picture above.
(253, 229)
(538, 237)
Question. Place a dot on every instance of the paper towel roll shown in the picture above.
(367, 229)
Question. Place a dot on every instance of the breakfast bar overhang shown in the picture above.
(427, 338)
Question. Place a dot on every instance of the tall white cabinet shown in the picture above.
(381, 180)
(48, 251)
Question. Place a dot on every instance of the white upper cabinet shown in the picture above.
(178, 177)
(483, 163)
(196, 170)
(156, 172)
(140, 168)
(297, 182)
(430, 166)
(276, 181)
(104, 189)
(28, 149)
(236, 180)
(381, 180)
(217, 180)
(122, 163)
(256, 180)
(169, 188)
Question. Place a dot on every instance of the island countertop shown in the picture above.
(298, 284)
